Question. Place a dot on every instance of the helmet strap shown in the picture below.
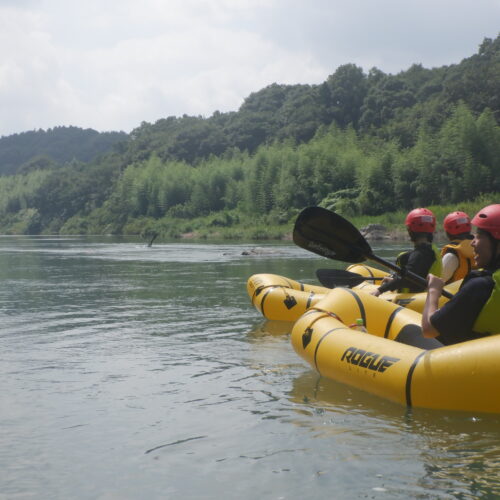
(495, 258)
(461, 236)
(414, 236)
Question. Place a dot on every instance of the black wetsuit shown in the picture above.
(418, 261)
(455, 320)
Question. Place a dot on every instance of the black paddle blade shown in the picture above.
(331, 278)
(327, 234)
(330, 235)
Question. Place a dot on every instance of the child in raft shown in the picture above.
(425, 258)
(474, 311)
(458, 254)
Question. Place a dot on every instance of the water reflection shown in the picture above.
(271, 328)
(460, 453)
(149, 371)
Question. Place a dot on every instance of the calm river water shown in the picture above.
(130, 372)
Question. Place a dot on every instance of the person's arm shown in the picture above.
(434, 289)
(419, 262)
(450, 265)
(454, 320)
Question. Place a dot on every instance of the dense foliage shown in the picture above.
(362, 144)
(40, 149)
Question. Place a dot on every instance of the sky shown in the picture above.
(110, 65)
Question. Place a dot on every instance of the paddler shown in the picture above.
(425, 258)
(457, 255)
(474, 311)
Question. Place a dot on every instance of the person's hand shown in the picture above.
(386, 279)
(434, 287)
(434, 284)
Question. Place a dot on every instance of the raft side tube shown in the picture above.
(461, 377)
(280, 298)
(381, 318)
(367, 362)
(414, 301)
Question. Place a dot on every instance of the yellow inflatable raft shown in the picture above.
(459, 377)
(414, 301)
(280, 298)
(283, 299)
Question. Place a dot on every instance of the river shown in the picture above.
(130, 372)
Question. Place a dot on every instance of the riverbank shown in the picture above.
(233, 225)
(236, 226)
(373, 232)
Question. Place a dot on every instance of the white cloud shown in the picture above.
(111, 65)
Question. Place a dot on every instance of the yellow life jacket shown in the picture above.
(465, 254)
(436, 267)
(488, 320)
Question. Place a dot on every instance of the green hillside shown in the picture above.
(364, 144)
(39, 149)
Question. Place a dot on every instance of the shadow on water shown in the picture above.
(271, 328)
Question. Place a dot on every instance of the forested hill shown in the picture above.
(360, 143)
(40, 148)
(388, 106)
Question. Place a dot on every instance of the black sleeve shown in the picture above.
(455, 320)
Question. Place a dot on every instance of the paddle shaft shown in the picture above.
(404, 273)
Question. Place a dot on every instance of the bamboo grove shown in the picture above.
(424, 153)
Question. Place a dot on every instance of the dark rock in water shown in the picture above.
(374, 227)
(260, 251)
(375, 232)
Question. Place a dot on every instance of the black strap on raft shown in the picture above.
(410, 376)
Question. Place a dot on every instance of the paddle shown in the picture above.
(340, 277)
(330, 235)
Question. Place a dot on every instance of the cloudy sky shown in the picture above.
(112, 64)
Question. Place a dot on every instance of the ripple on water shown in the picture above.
(149, 371)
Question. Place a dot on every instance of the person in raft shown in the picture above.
(457, 255)
(474, 311)
(425, 258)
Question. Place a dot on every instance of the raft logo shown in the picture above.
(367, 359)
(306, 337)
(322, 249)
(290, 302)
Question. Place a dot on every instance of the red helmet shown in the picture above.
(457, 223)
(488, 219)
(421, 220)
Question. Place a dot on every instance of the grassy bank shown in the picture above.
(271, 228)
(229, 225)
(234, 226)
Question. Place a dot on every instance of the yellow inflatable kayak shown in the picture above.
(280, 298)
(459, 377)
(283, 299)
(414, 301)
